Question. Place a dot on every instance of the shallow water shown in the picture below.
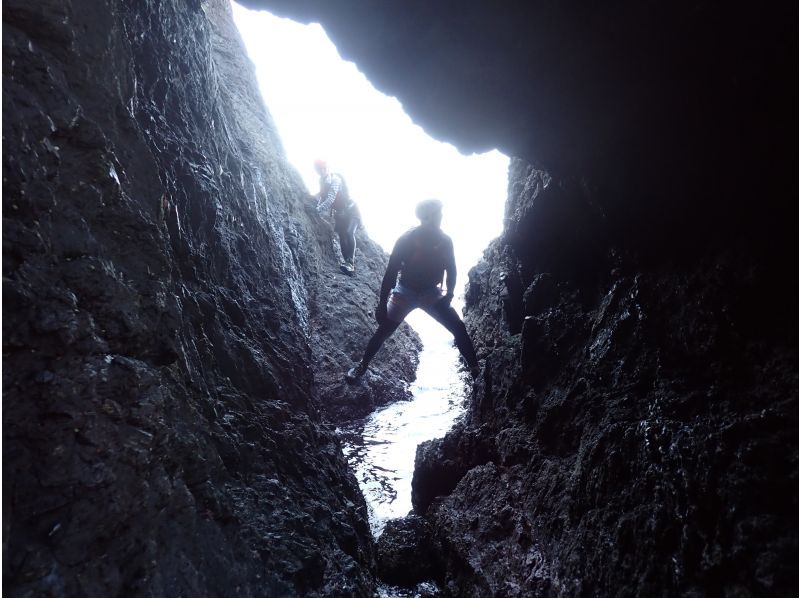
(381, 448)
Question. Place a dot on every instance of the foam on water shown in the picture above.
(381, 449)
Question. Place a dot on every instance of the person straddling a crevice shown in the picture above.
(334, 198)
(421, 256)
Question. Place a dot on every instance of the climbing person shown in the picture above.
(334, 199)
(421, 256)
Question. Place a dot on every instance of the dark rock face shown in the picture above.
(677, 111)
(567, 63)
(406, 553)
(637, 436)
(170, 305)
(634, 430)
(342, 323)
(174, 320)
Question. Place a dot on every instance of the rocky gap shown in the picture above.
(167, 428)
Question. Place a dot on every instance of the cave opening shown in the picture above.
(177, 327)
(324, 107)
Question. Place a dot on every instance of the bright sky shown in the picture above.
(325, 108)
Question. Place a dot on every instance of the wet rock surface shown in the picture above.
(406, 554)
(636, 424)
(342, 321)
(175, 324)
(677, 111)
(174, 315)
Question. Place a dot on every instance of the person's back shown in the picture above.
(333, 194)
(425, 254)
(342, 201)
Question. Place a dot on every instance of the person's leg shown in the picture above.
(346, 237)
(448, 317)
(397, 308)
(350, 233)
(384, 331)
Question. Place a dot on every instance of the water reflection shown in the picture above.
(381, 449)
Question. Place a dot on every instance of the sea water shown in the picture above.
(381, 448)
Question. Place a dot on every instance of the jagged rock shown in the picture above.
(175, 322)
(672, 118)
(440, 463)
(510, 561)
(643, 431)
(405, 552)
(167, 339)
(342, 321)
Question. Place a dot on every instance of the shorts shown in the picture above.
(348, 214)
(402, 301)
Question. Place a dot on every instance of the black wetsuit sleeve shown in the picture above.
(392, 269)
(329, 188)
(450, 268)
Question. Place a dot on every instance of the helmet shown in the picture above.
(428, 209)
(320, 164)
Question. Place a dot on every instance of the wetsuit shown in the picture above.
(334, 198)
(421, 256)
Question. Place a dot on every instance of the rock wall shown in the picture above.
(678, 111)
(634, 432)
(635, 429)
(175, 324)
(172, 305)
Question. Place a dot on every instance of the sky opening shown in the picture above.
(323, 107)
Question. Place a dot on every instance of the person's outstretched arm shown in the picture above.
(389, 280)
(324, 203)
(450, 271)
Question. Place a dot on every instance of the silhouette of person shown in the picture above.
(421, 256)
(334, 198)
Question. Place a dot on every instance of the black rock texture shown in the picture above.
(175, 326)
(634, 431)
(169, 302)
(406, 553)
(679, 111)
